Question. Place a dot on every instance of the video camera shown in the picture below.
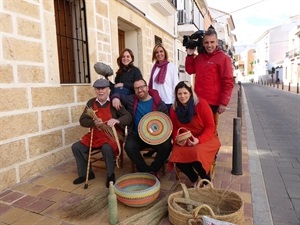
(195, 40)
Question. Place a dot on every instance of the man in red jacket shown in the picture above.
(214, 73)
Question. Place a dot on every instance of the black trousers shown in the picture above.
(193, 170)
(135, 144)
(81, 153)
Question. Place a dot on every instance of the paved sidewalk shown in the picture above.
(40, 200)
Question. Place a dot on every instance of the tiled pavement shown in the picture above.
(41, 199)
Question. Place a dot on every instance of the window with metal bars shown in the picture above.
(72, 41)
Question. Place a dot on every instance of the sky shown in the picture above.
(252, 21)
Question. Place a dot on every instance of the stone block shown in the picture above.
(105, 38)
(12, 215)
(12, 197)
(48, 6)
(90, 10)
(51, 49)
(6, 23)
(85, 93)
(22, 7)
(17, 125)
(54, 118)
(7, 179)
(74, 134)
(76, 112)
(9, 97)
(48, 96)
(12, 153)
(106, 47)
(41, 165)
(102, 8)
(6, 72)
(99, 23)
(31, 74)
(22, 50)
(28, 28)
(33, 217)
(40, 144)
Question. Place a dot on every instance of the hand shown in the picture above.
(192, 141)
(190, 51)
(98, 122)
(119, 85)
(112, 122)
(221, 109)
(116, 103)
(182, 143)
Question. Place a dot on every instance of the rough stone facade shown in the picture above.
(39, 115)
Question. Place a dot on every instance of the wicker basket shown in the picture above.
(137, 189)
(189, 205)
(182, 136)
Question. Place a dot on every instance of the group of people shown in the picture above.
(130, 98)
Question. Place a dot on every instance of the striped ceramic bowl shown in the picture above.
(137, 189)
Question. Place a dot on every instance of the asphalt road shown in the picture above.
(273, 136)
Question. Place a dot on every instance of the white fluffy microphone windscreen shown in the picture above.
(103, 69)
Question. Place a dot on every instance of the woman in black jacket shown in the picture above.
(127, 73)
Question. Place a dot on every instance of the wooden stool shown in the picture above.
(96, 155)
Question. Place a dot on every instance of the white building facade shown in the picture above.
(277, 52)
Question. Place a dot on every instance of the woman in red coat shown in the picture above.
(197, 155)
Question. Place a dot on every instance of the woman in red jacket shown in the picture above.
(195, 157)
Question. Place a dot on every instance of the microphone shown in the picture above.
(103, 69)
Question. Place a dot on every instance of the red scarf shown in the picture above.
(161, 76)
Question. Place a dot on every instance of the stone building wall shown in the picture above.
(38, 115)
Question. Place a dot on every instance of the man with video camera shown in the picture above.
(213, 68)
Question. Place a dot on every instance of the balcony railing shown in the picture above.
(182, 19)
(191, 17)
(173, 2)
(293, 53)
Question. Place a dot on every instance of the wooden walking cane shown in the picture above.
(89, 161)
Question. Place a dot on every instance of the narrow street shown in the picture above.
(276, 124)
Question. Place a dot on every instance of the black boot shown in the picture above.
(110, 178)
(80, 180)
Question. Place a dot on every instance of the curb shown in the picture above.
(260, 203)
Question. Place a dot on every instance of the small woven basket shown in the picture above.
(137, 189)
(182, 136)
(189, 205)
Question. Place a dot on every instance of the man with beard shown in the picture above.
(139, 104)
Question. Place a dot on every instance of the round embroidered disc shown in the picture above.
(155, 128)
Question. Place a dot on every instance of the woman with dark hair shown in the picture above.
(127, 73)
(195, 155)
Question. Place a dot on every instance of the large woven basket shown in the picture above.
(137, 189)
(190, 205)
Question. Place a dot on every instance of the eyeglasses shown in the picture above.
(140, 87)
